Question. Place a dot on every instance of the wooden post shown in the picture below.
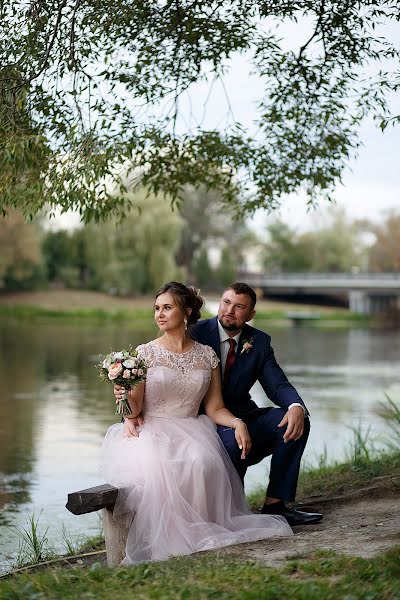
(96, 498)
(115, 536)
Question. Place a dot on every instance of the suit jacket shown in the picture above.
(258, 363)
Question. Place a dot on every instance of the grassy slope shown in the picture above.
(381, 471)
(84, 303)
(205, 576)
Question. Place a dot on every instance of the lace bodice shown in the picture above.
(176, 383)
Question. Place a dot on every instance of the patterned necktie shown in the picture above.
(230, 359)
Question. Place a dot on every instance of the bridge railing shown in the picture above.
(246, 275)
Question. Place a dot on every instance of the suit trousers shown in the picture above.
(267, 439)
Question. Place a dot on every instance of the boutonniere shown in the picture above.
(247, 345)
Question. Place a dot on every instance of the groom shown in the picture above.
(246, 356)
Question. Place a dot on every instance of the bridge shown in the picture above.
(365, 293)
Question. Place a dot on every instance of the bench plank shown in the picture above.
(92, 499)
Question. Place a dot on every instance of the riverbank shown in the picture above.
(353, 553)
(78, 304)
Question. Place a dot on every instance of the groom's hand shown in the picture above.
(294, 419)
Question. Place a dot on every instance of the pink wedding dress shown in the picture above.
(178, 490)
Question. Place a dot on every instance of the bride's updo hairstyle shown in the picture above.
(185, 297)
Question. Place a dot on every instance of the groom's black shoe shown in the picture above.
(292, 515)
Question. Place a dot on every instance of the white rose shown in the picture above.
(130, 363)
(118, 355)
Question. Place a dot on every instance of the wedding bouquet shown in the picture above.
(123, 368)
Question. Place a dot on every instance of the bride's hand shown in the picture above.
(130, 425)
(119, 392)
(243, 438)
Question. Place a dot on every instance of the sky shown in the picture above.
(371, 182)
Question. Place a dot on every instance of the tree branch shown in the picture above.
(48, 50)
(321, 13)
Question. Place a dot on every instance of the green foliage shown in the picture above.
(135, 256)
(131, 257)
(202, 270)
(284, 251)
(21, 261)
(227, 268)
(385, 252)
(60, 254)
(333, 247)
(204, 226)
(207, 227)
(90, 98)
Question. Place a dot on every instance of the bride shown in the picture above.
(179, 492)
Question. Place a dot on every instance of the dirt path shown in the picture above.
(359, 526)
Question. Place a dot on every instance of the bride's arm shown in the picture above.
(216, 410)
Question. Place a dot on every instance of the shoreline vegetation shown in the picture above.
(96, 306)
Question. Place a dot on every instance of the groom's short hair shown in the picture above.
(243, 288)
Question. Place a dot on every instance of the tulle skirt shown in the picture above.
(178, 490)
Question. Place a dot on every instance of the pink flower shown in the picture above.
(126, 374)
(140, 372)
(134, 371)
(114, 370)
(247, 345)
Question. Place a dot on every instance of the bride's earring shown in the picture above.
(185, 323)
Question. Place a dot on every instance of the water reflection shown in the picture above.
(54, 411)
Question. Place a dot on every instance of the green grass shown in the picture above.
(390, 411)
(330, 480)
(28, 312)
(36, 312)
(33, 545)
(208, 576)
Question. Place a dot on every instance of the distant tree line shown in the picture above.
(197, 242)
(339, 244)
(151, 245)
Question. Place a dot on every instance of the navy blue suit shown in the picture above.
(258, 363)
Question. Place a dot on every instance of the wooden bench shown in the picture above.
(102, 497)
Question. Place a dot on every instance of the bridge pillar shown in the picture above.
(367, 304)
(359, 302)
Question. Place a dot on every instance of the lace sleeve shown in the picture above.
(214, 360)
(143, 352)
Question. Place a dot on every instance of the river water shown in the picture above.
(54, 411)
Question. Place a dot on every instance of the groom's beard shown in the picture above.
(229, 326)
